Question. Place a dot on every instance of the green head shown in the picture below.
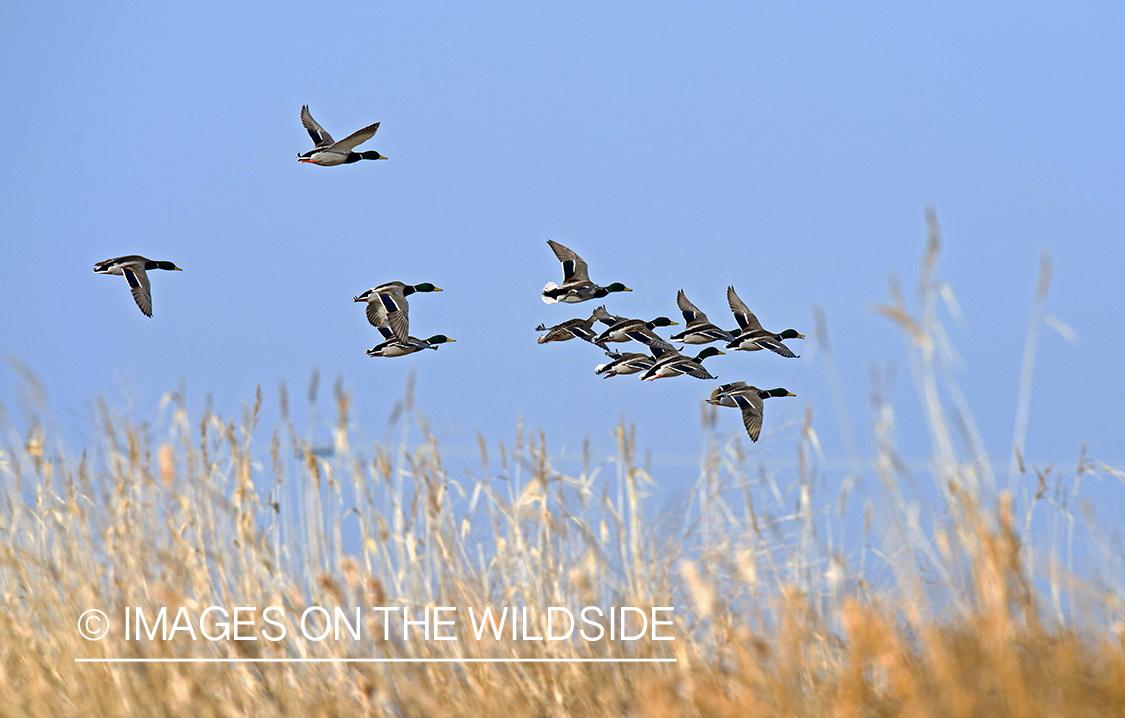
(780, 392)
(662, 322)
(439, 339)
(791, 334)
(708, 352)
(162, 265)
(617, 287)
(371, 155)
(426, 287)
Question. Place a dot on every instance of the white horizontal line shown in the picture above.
(375, 660)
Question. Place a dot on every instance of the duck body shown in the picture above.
(624, 363)
(638, 330)
(752, 336)
(750, 399)
(699, 330)
(327, 158)
(576, 286)
(387, 305)
(671, 363)
(328, 152)
(134, 267)
(395, 347)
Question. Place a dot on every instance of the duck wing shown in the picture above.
(356, 138)
(574, 267)
(376, 315)
(742, 314)
(691, 367)
(752, 419)
(319, 137)
(396, 309)
(691, 313)
(776, 346)
(649, 338)
(732, 388)
(139, 286)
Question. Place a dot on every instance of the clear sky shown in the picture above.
(787, 149)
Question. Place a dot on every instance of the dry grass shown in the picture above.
(786, 604)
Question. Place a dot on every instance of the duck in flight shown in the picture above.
(133, 267)
(699, 329)
(576, 286)
(387, 305)
(671, 363)
(753, 337)
(624, 363)
(327, 152)
(394, 347)
(638, 330)
(747, 398)
(580, 328)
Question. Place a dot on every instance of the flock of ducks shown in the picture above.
(663, 359)
(388, 310)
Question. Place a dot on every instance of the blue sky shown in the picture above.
(789, 151)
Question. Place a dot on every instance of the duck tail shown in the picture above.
(547, 298)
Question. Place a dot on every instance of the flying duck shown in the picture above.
(699, 330)
(133, 266)
(395, 347)
(576, 286)
(328, 152)
(753, 337)
(624, 363)
(672, 363)
(637, 330)
(581, 328)
(747, 398)
(387, 305)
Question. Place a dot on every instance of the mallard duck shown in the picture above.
(395, 347)
(133, 266)
(581, 328)
(672, 363)
(699, 330)
(749, 399)
(624, 363)
(329, 152)
(387, 305)
(576, 286)
(753, 337)
(638, 330)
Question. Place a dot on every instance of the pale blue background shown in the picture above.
(789, 150)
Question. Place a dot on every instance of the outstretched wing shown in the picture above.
(693, 368)
(690, 311)
(752, 420)
(138, 284)
(356, 138)
(319, 137)
(775, 345)
(646, 336)
(376, 314)
(742, 314)
(574, 267)
(397, 312)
